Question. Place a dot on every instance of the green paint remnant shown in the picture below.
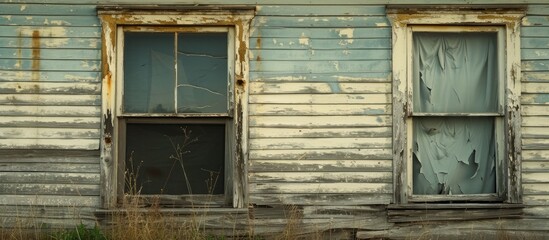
(542, 98)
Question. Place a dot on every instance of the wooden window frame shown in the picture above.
(404, 20)
(115, 20)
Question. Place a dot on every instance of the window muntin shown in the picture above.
(184, 150)
(456, 117)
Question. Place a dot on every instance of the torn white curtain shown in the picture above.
(454, 73)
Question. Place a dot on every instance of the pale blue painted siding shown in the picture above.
(49, 55)
(319, 108)
(50, 96)
(320, 105)
(535, 104)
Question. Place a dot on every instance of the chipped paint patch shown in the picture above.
(56, 42)
(79, 78)
(345, 18)
(23, 7)
(303, 40)
(382, 24)
(346, 33)
(94, 43)
(86, 65)
(336, 65)
(26, 31)
(349, 78)
(289, 78)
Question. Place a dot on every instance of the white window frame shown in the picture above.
(236, 21)
(506, 23)
(177, 118)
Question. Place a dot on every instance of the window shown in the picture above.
(174, 92)
(176, 110)
(456, 109)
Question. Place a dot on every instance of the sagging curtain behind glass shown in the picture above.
(454, 73)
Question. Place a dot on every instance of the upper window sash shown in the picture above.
(499, 30)
(122, 30)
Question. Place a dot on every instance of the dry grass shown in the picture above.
(150, 224)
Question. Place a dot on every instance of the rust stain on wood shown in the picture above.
(36, 55)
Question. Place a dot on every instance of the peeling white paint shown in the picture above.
(56, 42)
(525, 22)
(336, 65)
(27, 31)
(78, 78)
(290, 78)
(7, 17)
(346, 33)
(382, 25)
(86, 65)
(262, 20)
(348, 78)
(345, 18)
(59, 22)
(321, 20)
(23, 7)
(94, 43)
(303, 40)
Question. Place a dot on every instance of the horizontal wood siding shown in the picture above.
(53, 188)
(320, 106)
(50, 96)
(535, 110)
(49, 76)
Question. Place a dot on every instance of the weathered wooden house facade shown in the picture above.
(381, 119)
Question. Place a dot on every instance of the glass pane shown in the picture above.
(176, 158)
(454, 155)
(202, 73)
(455, 72)
(149, 72)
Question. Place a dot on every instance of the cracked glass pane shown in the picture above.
(202, 73)
(149, 72)
(454, 73)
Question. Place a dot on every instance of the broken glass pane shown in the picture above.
(454, 155)
(455, 72)
(149, 72)
(175, 158)
(202, 73)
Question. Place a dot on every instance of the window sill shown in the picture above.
(105, 213)
(429, 212)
